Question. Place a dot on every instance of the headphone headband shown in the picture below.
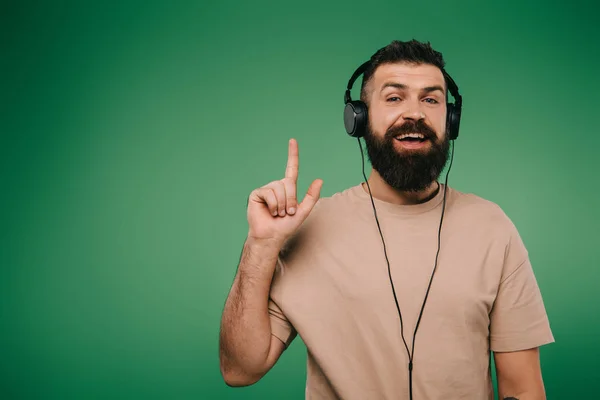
(355, 75)
(452, 86)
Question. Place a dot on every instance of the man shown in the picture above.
(349, 273)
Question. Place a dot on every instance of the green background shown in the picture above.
(133, 132)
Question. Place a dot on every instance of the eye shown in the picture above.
(433, 101)
(393, 99)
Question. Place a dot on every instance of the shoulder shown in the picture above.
(326, 216)
(486, 219)
(342, 198)
(474, 209)
(331, 208)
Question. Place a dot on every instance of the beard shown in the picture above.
(407, 170)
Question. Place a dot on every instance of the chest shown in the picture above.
(348, 278)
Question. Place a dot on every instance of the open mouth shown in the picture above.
(412, 140)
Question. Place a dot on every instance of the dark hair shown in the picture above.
(412, 52)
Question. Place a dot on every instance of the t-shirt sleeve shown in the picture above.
(518, 319)
(281, 327)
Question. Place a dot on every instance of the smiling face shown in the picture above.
(406, 140)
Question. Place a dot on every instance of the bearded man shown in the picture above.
(401, 287)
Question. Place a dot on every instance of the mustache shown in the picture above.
(412, 127)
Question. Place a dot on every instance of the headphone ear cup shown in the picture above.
(452, 121)
(356, 118)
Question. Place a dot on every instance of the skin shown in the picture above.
(519, 375)
(247, 348)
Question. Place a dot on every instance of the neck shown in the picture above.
(382, 191)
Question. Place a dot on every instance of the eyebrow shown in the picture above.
(401, 86)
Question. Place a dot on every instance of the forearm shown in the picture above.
(245, 339)
(519, 375)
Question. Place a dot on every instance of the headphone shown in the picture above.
(356, 123)
(356, 114)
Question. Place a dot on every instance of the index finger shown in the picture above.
(291, 171)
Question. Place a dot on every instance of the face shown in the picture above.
(406, 140)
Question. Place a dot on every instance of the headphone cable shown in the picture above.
(410, 353)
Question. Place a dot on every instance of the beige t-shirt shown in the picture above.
(331, 286)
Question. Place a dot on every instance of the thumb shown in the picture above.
(312, 195)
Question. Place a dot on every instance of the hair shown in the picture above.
(411, 52)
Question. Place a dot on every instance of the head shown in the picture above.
(406, 93)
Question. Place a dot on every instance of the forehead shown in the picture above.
(412, 75)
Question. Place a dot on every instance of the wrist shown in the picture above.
(259, 258)
(264, 245)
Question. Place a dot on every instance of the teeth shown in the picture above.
(412, 135)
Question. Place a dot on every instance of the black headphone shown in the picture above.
(356, 113)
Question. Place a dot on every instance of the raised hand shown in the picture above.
(273, 209)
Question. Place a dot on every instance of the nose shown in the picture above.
(413, 114)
